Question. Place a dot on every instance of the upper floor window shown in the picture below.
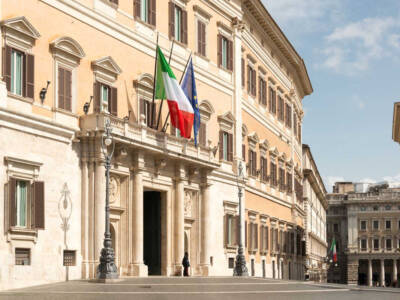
(273, 174)
(64, 84)
(375, 224)
(251, 81)
(272, 100)
(264, 169)
(225, 53)
(149, 111)
(262, 94)
(201, 38)
(203, 134)
(295, 125)
(376, 208)
(252, 163)
(105, 98)
(363, 225)
(388, 207)
(288, 115)
(376, 244)
(145, 10)
(335, 227)
(226, 146)
(230, 230)
(281, 108)
(388, 224)
(363, 244)
(177, 23)
(289, 182)
(281, 179)
(388, 244)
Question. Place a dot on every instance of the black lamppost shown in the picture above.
(240, 263)
(107, 268)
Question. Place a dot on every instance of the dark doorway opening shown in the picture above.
(152, 232)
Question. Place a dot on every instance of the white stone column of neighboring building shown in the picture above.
(394, 270)
(369, 280)
(137, 266)
(206, 242)
(382, 275)
(179, 220)
(100, 206)
(85, 214)
(91, 226)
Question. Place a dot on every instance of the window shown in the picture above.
(225, 53)
(251, 81)
(69, 258)
(114, 1)
(243, 73)
(264, 239)
(281, 109)
(273, 175)
(177, 23)
(376, 244)
(363, 208)
(253, 234)
(252, 163)
(264, 169)
(146, 109)
(388, 207)
(376, 224)
(201, 38)
(388, 224)
(22, 256)
(26, 211)
(295, 125)
(145, 10)
(231, 225)
(19, 72)
(335, 227)
(203, 134)
(376, 208)
(363, 225)
(64, 85)
(288, 120)
(289, 183)
(388, 244)
(105, 98)
(281, 179)
(363, 245)
(272, 100)
(262, 94)
(231, 262)
(226, 146)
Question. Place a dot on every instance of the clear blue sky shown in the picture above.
(352, 52)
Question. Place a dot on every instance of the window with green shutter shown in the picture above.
(21, 199)
(17, 61)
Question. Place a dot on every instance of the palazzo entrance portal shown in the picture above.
(152, 232)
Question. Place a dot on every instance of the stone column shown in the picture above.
(99, 206)
(394, 271)
(382, 277)
(179, 224)
(91, 215)
(85, 218)
(206, 242)
(137, 267)
(369, 279)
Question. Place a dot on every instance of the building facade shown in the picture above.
(372, 251)
(90, 62)
(315, 206)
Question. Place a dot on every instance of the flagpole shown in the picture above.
(154, 84)
(180, 81)
(162, 100)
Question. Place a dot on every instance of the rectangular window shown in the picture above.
(388, 224)
(144, 10)
(22, 256)
(104, 96)
(288, 115)
(363, 244)
(272, 100)
(376, 244)
(69, 258)
(262, 97)
(289, 183)
(17, 61)
(363, 225)
(231, 262)
(201, 38)
(281, 179)
(64, 85)
(388, 244)
(202, 134)
(225, 146)
(335, 227)
(376, 224)
(21, 201)
(264, 169)
(281, 109)
(225, 53)
(273, 175)
(178, 23)
(295, 125)
(252, 163)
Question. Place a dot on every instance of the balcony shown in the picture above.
(158, 143)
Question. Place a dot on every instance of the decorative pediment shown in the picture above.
(107, 68)
(264, 144)
(290, 163)
(206, 110)
(68, 46)
(274, 152)
(245, 131)
(21, 25)
(253, 139)
(283, 157)
(144, 85)
(226, 121)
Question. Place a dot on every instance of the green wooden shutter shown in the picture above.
(171, 19)
(136, 8)
(30, 76)
(113, 103)
(7, 66)
(184, 28)
(12, 207)
(152, 12)
(61, 88)
(68, 90)
(96, 97)
(39, 204)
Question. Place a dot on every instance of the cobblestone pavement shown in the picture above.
(198, 288)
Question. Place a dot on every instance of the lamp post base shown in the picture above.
(107, 268)
(240, 265)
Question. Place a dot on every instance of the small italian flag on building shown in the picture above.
(167, 87)
(333, 250)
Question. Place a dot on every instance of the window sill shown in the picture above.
(21, 98)
(65, 112)
(202, 56)
(179, 42)
(22, 234)
(225, 69)
(150, 26)
(113, 5)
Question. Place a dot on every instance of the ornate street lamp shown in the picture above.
(107, 268)
(240, 263)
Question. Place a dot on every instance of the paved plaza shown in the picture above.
(198, 288)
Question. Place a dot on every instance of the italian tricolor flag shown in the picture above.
(167, 87)
(333, 249)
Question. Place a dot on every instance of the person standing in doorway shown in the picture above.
(186, 264)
